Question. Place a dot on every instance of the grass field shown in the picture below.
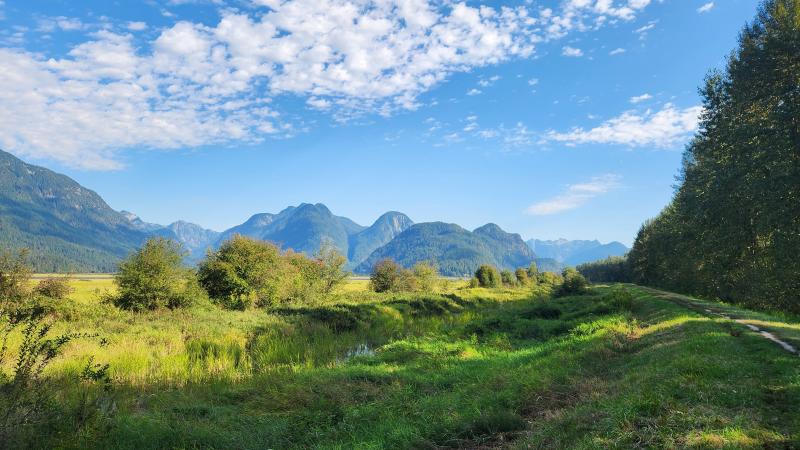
(467, 368)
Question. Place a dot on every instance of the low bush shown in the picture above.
(573, 283)
(55, 288)
(154, 277)
(508, 278)
(620, 298)
(388, 276)
(488, 276)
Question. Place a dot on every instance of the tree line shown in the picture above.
(732, 230)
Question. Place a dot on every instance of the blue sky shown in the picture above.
(550, 118)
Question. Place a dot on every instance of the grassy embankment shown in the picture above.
(470, 368)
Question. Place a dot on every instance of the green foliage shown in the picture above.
(620, 298)
(522, 276)
(573, 283)
(246, 272)
(388, 276)
(474, 283)
(731, 231)
(57, 288)
(426, 276)
(614, 269)
(15, 275)
(533, 271)
(153, 277)
(508, 278)
(488, 276)
(332, 271)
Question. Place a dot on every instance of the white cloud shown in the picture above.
(706, 8)
(617, 51)
(641, 98)
(198, 84)
(533, 81)
(575, 195)
(572, 52)
(473, 91)
(137, 26)
(663, 128)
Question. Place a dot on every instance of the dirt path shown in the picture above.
(702, 308)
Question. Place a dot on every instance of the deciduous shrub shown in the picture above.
(488, 276)
(388, 276)
(55, 288)
(15, 275)
(508, 278)
(426, 276)
(332, 266)
(574, 283)
(154, 277)
(522, 277)
(245, 272)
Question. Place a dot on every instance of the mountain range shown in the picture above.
(70, 228)
(573, 253)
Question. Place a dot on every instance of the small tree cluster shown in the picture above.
(57, 288)
(388, 276)
(245, 272)
(154, 277)
(15, 275)
(573, 283)
(488, 276)
(26, 395)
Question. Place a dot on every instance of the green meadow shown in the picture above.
(619, 367)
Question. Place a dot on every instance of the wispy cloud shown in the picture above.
(617, 51)
(640, 98)
(571, 52)
(575, 195)
(208, 83)
(706, 8)
(664, 128)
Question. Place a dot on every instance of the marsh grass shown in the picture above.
(464, 368)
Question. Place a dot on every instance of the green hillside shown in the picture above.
(454, 250)
(66, 226)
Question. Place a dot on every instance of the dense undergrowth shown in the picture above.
(470, 368)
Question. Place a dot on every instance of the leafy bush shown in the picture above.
(549, 278)
(533, 271)
(473, 282)
(388, 276)
(15, 275)
(487, 276)
(245, 272)
(332, 271)
(522, 276)
(55, 288)
(620, 299)
(154, 277)
(426, 276)
(508, 278)
(26, 396)
(574, 283)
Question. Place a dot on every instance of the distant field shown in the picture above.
(467, 368)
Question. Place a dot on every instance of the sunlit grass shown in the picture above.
(461, 368)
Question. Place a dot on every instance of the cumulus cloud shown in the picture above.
(641, 98)
(706, 8)
(617, 51)
(575, 195)
(571, 51)
(198, 84)
(663, 128)
(137, 26)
